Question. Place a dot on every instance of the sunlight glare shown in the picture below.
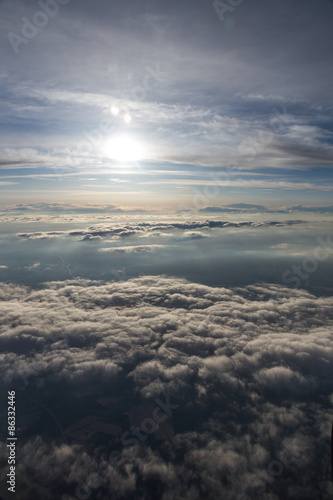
(123, 148)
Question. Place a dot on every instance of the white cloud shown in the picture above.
(132, 249)
(242, 364)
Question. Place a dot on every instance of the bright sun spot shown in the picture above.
(123, 148)
(115, 111)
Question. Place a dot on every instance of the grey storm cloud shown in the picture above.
(248, 370)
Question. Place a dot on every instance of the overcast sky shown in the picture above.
(147, 104)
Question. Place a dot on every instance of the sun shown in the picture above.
(123, 148)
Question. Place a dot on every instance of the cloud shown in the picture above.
(247, 206)
(132, 249)
(257, 184)
(32, 267)
(249, 368)
(69, 208)
(143, 229)
(235, 208)
(311, 209)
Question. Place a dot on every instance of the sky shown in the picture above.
(166, 250)
(146, 106)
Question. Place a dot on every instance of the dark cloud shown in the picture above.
(236, 208)
(247, 372)
(247, 205)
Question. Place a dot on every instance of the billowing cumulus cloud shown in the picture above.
(158, 387)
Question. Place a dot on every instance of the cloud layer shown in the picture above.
(248, 371)
(144, 229)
